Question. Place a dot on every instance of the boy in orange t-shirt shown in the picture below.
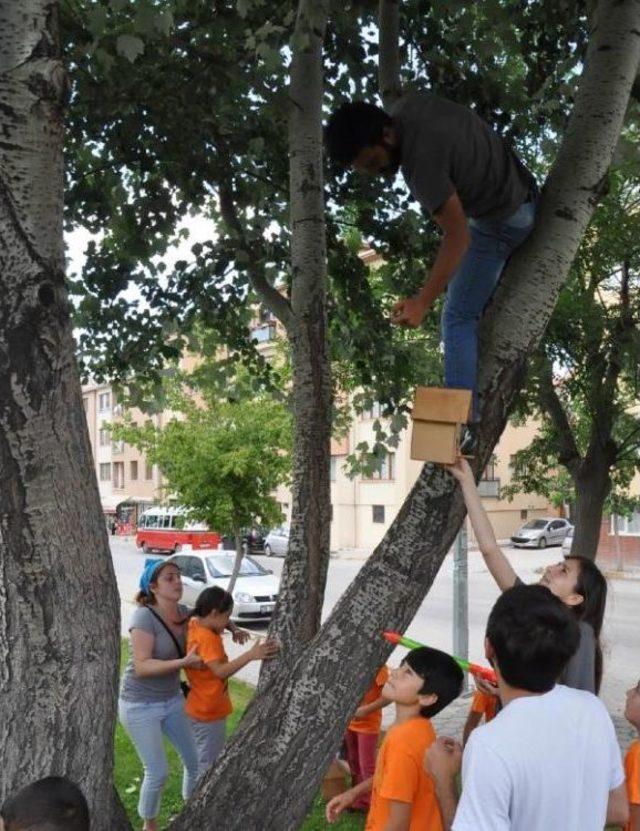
(632, 760)
(361, 738)
(484, 706)
(208, 703)
(402, 794)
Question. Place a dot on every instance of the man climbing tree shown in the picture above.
(481, 195)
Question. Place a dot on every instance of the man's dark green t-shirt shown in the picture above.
(445, 146)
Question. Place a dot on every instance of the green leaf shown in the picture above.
(130, 47)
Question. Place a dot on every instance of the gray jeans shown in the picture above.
(210, 737)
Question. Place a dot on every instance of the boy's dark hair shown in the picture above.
(441, 675)
(533, 634)
(212, 599)
(351, 128)
(51, 804)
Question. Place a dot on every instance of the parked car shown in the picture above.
(539, 533)
(255, 592)
(567, 542)
(277, 541)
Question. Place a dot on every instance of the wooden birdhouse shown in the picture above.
(438, 415)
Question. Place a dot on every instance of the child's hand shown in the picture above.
(461, 470)
(192, 660)
(486, 687)
(337, 805)
(443, 759)
(263, 650)
(240, 635)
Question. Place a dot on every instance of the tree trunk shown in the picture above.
(592, 486)
(237, 562)
(290, 732)
(59, 607)
(301, 595)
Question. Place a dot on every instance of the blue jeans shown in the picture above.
(210, 738)
(146, 722)
(492, 243)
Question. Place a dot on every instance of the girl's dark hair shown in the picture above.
(213, 599)
(592, 585)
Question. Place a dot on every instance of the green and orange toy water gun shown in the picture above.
(476, 670)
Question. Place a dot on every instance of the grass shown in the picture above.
(128, 770)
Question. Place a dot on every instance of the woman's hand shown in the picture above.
(240, 635)
(192, 660)
(461, 471)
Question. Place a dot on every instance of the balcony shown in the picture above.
(489, 488)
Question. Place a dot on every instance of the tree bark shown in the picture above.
(59, 607)
(294, 727)
(297, 616)
(237, 562)
(592, 485)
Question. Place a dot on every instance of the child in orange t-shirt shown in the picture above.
(632, 760)
(403, 795)
(483, 705)
(208, 703)
(361, 738)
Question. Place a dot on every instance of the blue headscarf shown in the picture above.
(151, 568)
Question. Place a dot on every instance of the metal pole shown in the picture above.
(461, 598)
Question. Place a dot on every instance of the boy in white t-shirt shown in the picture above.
(550, 758)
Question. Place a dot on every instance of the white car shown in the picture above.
(254, 594)
(539, 533)
(277, 541)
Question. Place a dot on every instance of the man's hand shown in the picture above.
(443, 759)
(338, 804)
(409, 312)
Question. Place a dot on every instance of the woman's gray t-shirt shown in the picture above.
(159, 687)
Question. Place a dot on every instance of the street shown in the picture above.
(433, 622)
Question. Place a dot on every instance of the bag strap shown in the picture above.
(169, 632)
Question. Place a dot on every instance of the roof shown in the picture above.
(442, 405)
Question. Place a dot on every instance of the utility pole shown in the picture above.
(461, 598)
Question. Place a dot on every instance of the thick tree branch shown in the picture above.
(269, 295)
(567, 449)
(389, 83)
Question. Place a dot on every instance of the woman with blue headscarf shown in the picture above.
(151, 703)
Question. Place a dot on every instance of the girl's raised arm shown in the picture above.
(495, 558)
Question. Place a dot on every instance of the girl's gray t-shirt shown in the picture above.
(159, 687)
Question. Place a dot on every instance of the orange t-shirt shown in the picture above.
(372, 722)
(208, 699)
(632, 774)
(400, 776)
(485, 704)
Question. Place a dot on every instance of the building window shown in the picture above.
(373, 412)
(85, 403)
(524, 513)
(105, 471)
(629, 525)
(285, 507)
(386, 471)
(118, 446)
(148, 471)
(333, 468)
(262, 334)
(515, 465)
(118, 475)
(489, 473)
(105, 437)
(133, 471)
(104, 401)
(378, 513)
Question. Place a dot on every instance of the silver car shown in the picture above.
(539, 533)
(254, 594)
(277, 541)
